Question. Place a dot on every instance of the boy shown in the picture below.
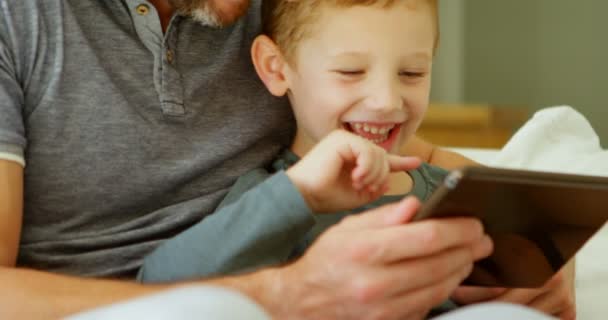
(357, 95)
(357, 74)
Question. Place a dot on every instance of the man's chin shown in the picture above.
(229, 11)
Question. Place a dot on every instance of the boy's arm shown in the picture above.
(257, 225)
(435, 155)
(261, 227)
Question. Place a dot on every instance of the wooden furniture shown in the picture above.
(471, 126)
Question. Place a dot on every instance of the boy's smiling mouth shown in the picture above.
(382, 134)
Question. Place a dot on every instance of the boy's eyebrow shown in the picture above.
(420, 55)
(353, 54)
(416, 55)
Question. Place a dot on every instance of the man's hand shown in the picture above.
(375, 266)
(345, 171)
(556, 297)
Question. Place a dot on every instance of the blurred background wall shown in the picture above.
(525, 54)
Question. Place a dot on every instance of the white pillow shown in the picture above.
(557, 139)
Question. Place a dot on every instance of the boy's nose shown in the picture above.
(385, 97)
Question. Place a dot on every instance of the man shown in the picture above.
(124, 108)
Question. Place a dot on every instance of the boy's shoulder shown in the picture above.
(433, 172)
(284, 160)
(427, 178)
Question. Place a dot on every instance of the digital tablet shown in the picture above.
(537, 220)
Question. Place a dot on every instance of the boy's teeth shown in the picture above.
(378, 140)
(365, 127)
(380, 133)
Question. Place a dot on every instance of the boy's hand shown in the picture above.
(556, 297)
(345, 171)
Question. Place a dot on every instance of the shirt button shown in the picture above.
(170, 56)
(142, 9)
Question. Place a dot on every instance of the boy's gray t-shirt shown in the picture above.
(263, 221)
(129, 136)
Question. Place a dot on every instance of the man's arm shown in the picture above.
(435, 155)
(11, 208)
(394, 282)
(350, 270)
(28, 294)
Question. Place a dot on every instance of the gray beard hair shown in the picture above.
(206, 16)
(200, 11)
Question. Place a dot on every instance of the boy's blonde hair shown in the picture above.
(287, 22)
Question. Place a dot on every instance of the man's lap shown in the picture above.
(213, 303)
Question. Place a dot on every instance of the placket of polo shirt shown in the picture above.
(172, 93)
(167, 79)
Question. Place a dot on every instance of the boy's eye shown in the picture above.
(350, 73)
(409, 74)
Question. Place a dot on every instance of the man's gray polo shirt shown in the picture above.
(129, 136)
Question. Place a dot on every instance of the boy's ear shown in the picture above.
(270, 65)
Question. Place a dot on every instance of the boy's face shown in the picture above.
(365, 69)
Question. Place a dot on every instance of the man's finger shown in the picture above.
(469, 295)
(423, 272)
(433, 295)
(520, 296)
(550, 304)
(568, 314)
(421, 284)
(382, 217)
(422, 239)
(558, 296)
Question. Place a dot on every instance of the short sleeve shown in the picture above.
(12, 129)
(433, 176)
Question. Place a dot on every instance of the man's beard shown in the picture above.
(213, 13)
